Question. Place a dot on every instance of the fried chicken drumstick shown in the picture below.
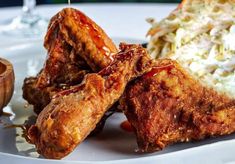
(74, 113)
(76, 46)
(166, 105)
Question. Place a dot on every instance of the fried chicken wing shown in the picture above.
(76, 46)
(71, 30)
(167, 105)
(73, 114)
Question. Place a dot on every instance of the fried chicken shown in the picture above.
(73, 114)
(167, 105)
(86, 39)
(76, 46)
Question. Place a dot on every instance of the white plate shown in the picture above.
(113, 145)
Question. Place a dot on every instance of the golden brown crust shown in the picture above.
(74, 113)
(166, 106)
(39, 98)
(76, 46)
(92, 43)
(71, 31)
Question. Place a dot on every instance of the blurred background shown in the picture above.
(6, 3)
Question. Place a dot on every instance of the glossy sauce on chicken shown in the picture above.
(94, 33)
(155, 70)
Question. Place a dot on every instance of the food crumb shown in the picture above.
(125, 125)
(26, 105)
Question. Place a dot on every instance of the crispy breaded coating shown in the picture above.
(76, 46)
(166, 106)
(73, 114)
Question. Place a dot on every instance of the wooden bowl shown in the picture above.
(7, 79)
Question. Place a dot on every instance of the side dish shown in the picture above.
(200, 36)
